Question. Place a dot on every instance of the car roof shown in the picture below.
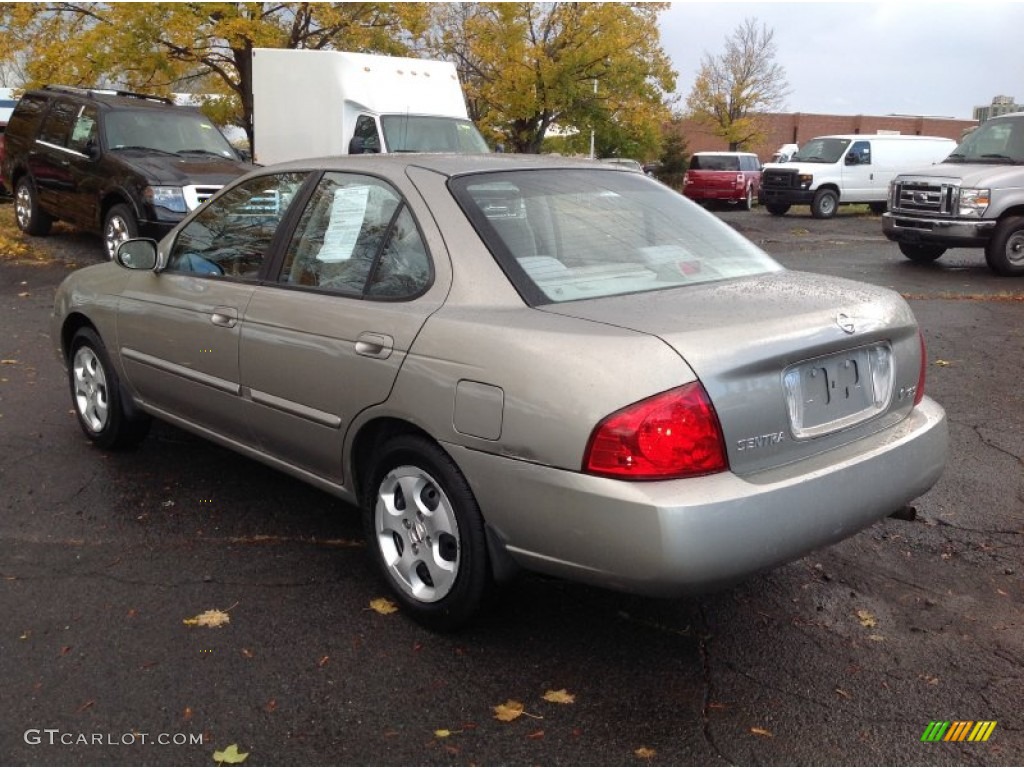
(107, 98)
(446, 164)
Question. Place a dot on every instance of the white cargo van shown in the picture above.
(316, 103)
(830, 171)
(784, 153)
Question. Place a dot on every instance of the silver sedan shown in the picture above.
(513, 362)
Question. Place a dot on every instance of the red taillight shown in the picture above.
(919, 392)
(686, 178)
(671, 435)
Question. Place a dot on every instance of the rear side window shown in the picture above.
(358, 237)
(26, 116)
(57, 126)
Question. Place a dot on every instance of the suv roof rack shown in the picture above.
(107, 92)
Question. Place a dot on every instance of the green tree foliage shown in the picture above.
(733, 87)
(199, 47)
(528, 67)
(675, 157)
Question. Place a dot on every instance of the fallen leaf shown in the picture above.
(65, 650)
(213, 618)
(843, 693)
(24, 295)
(230, 755)
(323, 661)
(442, 733)
(246, 653)
(644, 753)
(508, 711)
(88, 705)
(187, 715)
(876, 638)
(536, 735)
(942, 363)
(762, 732)
(8, 362)
(866, 619)
(270, 706)
(383, 606)
(561, 696)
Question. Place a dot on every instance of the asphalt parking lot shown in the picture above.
(844, 657)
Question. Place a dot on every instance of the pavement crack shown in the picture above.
(703, 644)
(990, 444)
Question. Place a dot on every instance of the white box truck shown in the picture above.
(830, 171)
(318, 103)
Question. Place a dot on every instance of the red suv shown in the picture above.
(730, 176)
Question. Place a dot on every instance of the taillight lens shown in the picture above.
(671, 435)
(919, 392)
(739, 181)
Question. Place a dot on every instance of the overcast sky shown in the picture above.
(870, 58)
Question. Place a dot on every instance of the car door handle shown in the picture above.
(377, 345)
(226, 317)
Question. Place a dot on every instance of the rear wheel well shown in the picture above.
(367, 444)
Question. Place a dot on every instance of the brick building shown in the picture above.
(798, 127)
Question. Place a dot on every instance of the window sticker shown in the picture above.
(348, 210)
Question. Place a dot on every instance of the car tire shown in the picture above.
(878, 208)
(824, 204)
(921, 254)
(31, 219)
(96, 395)
(748, 203)
(777, 209)
(426, 534)
(1005, 251)
(119, 225)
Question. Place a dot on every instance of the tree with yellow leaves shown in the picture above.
(733, 87)
(197, 47)
(528, 68)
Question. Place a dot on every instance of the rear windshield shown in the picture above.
(714, 163)
(563, 235)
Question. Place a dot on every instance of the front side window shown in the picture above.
(366, 129)
(568, 234)
(231, 236)
(83, 133)
(357, 237)
(861, 150)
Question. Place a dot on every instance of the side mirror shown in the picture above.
(852, 159)
(92, 150)
(138, 253)
(356, 146)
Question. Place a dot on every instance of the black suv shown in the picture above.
(118, 163)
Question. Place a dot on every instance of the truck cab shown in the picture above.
(319, 103)
(973, 199)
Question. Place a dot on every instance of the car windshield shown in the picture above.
(421, 133)
(562, 235)
(996, 141)
(167, 130)
(821, 151)
(714, 163)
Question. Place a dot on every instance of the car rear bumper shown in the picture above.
(695, 535)
(904, 229)
(715, 194)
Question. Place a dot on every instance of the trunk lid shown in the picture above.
(794, 363)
